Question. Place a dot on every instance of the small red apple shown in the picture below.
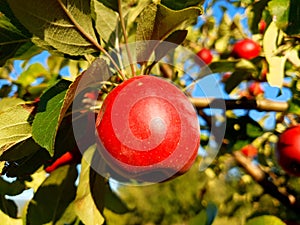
(262, 26)
(226, 77)
(288, 150)
(205, 55)
(147, 125)
(255, 89)
(249, 151)
(246, 48)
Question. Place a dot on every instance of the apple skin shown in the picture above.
(262, 26)
(249, 151)
(288, 150)
(205, 55)
(255, 89)
(246, 48)
(147, 125)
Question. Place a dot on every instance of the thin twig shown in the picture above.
(125, 37)
(258, 104)
(90, 38)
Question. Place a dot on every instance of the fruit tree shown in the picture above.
(149, 112)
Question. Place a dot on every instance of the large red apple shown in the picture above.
(246, 48)
(148, 130)
(288, 150)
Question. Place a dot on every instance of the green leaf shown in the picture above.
(265, 220)
(27, 165)
(223, 66)
(6, 103)
(68, 217)
(294, 18)
(157, 22)
(49, 115)
(182, 4)
(254, 130)
(280, 9)
(235, 79)
(63, 25)
(85, 206)
(8, 207)
(177, 37)
(106, 22)
(113, 4)
(257, 9)
(11, 188)
(106, 198)
(199, 219)
(20, 150)
(206, 216)
(28, 76)
(12, 34)
(14, 127)
(53, 197)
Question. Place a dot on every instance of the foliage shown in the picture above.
(36, 111)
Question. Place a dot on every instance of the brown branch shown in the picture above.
(258, 104)
(268, 183)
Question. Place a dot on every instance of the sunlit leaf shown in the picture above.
(270, 40)
(106, 22)
(275, 75)
(14, 127)
(34, 71)
(6, 220)
(85, 206)
(57, 22)
(280, 9)
(157, 22)
(265, 220)
(6, 103)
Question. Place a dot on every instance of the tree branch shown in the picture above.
(258, 104)
(265, 180)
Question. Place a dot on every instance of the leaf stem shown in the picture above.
(125, 37)
(91, 39)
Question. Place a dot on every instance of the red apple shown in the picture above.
(247, 49)
(205, 55)
(288, 150)
(249, 151)
(147, 125)
(255, 89)
(262, 26)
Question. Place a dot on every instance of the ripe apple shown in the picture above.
(205, 55)
(246, 48)
(262, 26)
(148, 130)
(288, 151)
(249, 151)
(255, 89)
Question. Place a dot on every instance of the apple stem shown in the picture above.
(91, 39)
(125, 37)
